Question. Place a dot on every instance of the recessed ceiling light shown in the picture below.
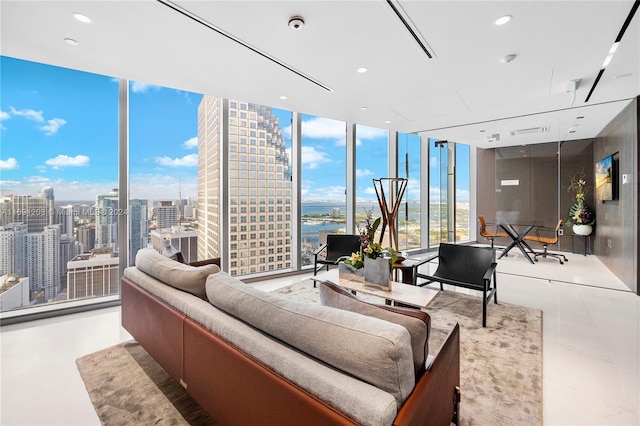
(387, 122)
(482, 130)
(362, 70)
(283, 97)
(82, 18)
(508, 58)
(571, 131)
(580, 117)
(71, 42)
(503, 19)
(363, 108)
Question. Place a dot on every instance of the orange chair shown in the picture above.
(551, 238)
(489, 235)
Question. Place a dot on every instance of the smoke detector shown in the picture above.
(296, 22)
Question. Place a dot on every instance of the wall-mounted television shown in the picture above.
(607, 178)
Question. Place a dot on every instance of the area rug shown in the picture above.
(128, 387)
(500, 365)
(501, 368)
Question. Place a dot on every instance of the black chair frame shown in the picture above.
(464, 266)
(337, 246)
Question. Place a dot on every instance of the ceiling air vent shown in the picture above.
(494, 137)
(530, 131)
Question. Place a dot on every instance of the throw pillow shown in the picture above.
(183, 277)
(417, 322)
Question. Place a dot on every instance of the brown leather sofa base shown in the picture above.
(234, 388)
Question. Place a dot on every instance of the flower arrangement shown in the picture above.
(580, 213)
(356, 260)
(371, 249)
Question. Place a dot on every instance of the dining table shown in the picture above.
(517, 233)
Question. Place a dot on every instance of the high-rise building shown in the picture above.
(107, 221)
(209, 174)
(86, 235)
(6, 211)
(47, 194)
(33, 211)
(182, 239)
(259, 185)
(12, 250)
(138, 227)
(166, 215)
(33, 254)
(66, 217)
(93, 274)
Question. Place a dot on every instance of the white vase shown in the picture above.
(582, 229)
(377, 272)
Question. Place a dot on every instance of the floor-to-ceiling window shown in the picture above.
(372, 162)
(163, 167)
(209, 176)
(462, 184)
(409, 214)
(323, 197)
(59, 165)
(438, 192)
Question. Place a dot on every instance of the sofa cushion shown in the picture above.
(184, 277)
(417, 323)
(375, 351)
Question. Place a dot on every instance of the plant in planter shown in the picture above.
(581, 216)
(378, 261)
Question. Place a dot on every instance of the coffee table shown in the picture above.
(401, 293)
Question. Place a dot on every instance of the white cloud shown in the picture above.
(9, 164)
(28, 114)
(9, 183)
(138, 87)
(190, 160)
(326, 193)
(360, 173)
(190, 143)
(66, 161)
(325, 128)
(37, 179)
(313, 158)
(4, 115)
(162, 186)
(366, 132)
(52, 126)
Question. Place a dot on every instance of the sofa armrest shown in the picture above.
(436, 395)
(214, 261)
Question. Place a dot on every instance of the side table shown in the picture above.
(406, 269)
(586, 242)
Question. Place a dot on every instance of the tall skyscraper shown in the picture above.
(33, 211)
(33, 254)
(86, 235)
(209, 174)
(107, 220)
(166, 215)
(259, 185)
(66, 217)
(47, 194)
(138, 227)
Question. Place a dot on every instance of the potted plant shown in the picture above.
(377, 260)
(581, 216)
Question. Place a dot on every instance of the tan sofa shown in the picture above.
(251, 357)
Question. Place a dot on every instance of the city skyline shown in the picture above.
(59, 129)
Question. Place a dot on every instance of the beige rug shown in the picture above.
(501, 365)
(128, 387)
(501, 368)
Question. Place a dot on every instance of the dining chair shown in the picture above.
(546, 237)
(489, 235)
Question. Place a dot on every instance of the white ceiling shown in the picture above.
(464, 93)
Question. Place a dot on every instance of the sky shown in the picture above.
(59, 128)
